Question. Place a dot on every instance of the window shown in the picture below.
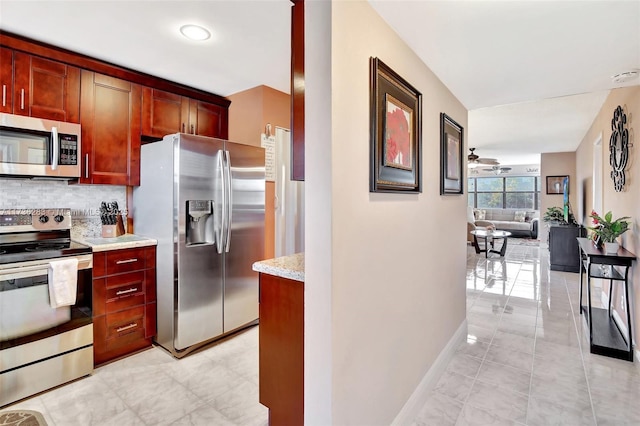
(513, 192)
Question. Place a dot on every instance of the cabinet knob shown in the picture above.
(183, 127)
(193, 130)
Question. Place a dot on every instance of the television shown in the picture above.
(565, 193)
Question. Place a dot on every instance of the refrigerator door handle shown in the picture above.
(220, 232)
(229, 201)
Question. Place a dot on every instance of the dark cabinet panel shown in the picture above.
(162, 113)
(6, 79)
(207, 119)
(110, 119)
(39, 87)
(297, 90)
(564, 253)
(281, 350)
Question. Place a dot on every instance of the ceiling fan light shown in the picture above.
(472, 165)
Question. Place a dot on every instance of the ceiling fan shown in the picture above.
(474, 160)
(498, 170)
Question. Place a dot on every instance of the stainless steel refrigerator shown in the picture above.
(203, 200)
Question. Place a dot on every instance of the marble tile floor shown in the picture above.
(216, 386)
(526, 360)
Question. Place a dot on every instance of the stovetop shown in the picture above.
(42, 249)
(36, 234)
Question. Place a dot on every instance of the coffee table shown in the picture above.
(489, 240)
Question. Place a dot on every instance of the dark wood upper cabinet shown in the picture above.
(297, 90)
(207, 119)
(164, 113)
(39, 87)
(110, 118)
(6, 79)
(161, 113)
(116, 106)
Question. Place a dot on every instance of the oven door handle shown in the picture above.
(39, 269)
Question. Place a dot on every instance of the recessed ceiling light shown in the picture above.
(195, 32)
(623, 77)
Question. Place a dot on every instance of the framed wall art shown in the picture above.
(451, 161)
(396, 132)
(555, 184)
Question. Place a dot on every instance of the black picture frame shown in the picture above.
(555, 184)
(451, 152)
(395, 132)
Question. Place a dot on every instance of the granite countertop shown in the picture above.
(122, 242)
(291, 267)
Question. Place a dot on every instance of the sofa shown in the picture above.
(473, 224)
(521, 223)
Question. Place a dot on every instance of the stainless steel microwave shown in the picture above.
(35, 147)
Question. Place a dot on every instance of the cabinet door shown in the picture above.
(6, 79)
(46, 89)
(162, 113)
(110, 119)
(207, 119)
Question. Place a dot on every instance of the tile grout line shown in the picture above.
(584, 367)
(482, 362)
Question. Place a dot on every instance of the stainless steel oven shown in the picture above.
(34, 147)
(41, 347)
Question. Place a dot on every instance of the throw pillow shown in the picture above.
(519, 216)
(529, 216)
(480, 214)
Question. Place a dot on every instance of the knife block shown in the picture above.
(111, 231)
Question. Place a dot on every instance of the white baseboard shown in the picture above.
(419, 396)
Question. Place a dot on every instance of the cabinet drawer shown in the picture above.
(125, 322)
(132, 339)
(127, 260)
(124, 291)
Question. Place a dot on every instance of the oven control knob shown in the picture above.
(58, 218)
(43, 219)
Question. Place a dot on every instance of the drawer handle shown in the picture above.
(127, 327)
(131, 290)
(120, 262)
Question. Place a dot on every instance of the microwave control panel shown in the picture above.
(68, 150)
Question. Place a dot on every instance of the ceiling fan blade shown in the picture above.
(488, 161)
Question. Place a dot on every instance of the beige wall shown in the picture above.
(249, 113)
(626, 203)
(556, 164)
(396, 261)
(252, 109)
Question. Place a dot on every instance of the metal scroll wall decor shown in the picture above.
(618, 148)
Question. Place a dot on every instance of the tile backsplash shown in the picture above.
(83, 200)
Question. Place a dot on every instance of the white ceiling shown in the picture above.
(516, 65)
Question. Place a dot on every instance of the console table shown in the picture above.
(605, 337)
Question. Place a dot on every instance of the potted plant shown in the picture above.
(555, 215)
(607, 230)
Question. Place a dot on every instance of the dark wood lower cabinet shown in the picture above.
(282, 349)
(124, 302)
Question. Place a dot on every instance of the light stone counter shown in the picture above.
(116, 243)
(290, 267)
